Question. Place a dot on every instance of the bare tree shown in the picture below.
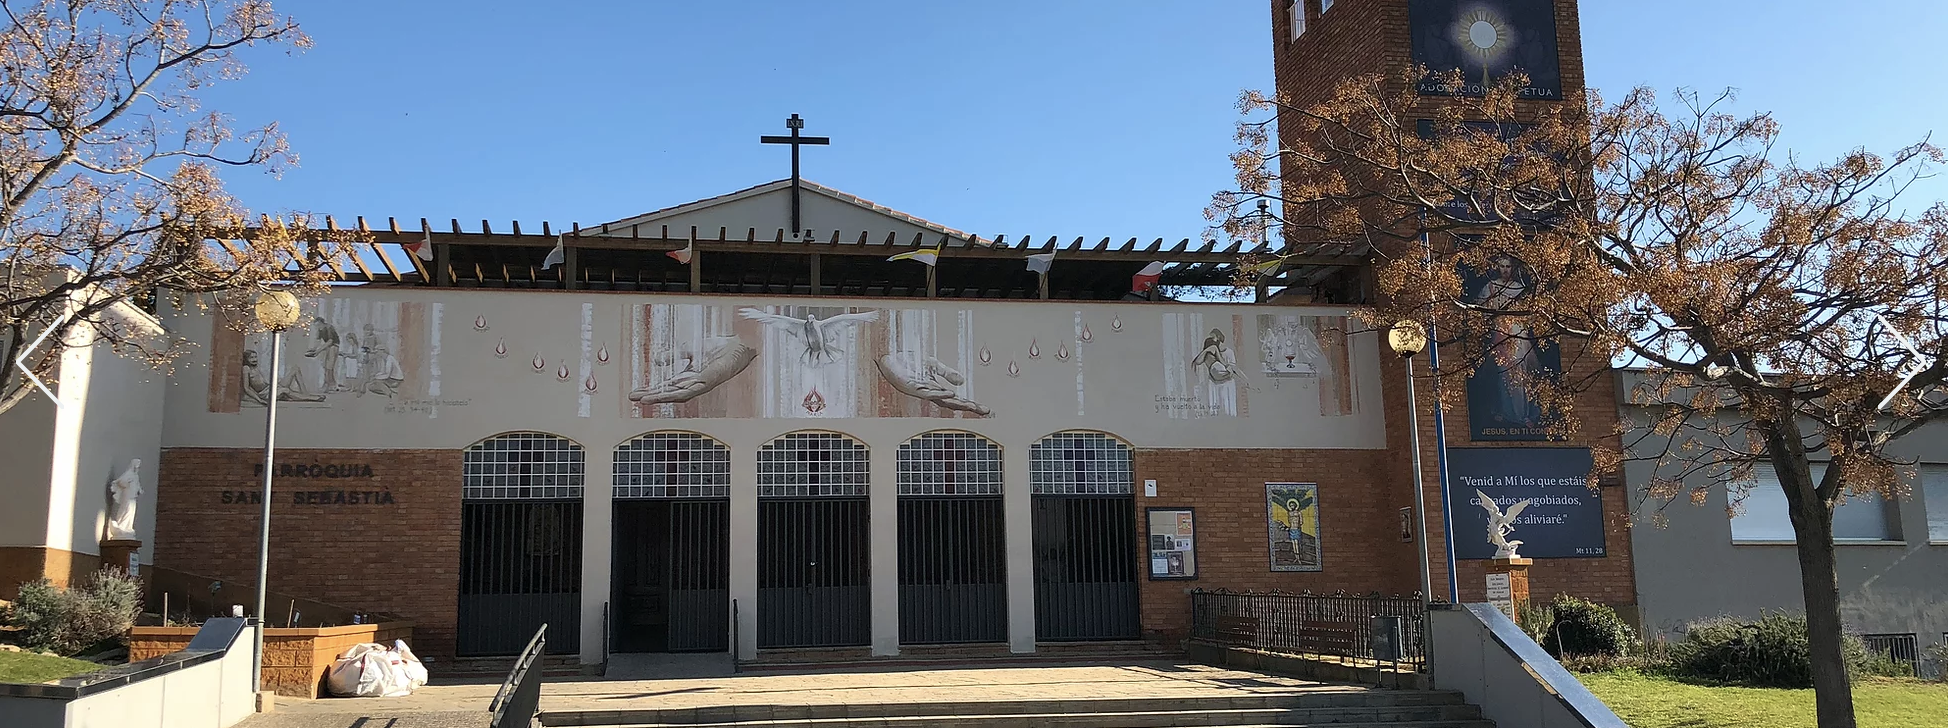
(1788, 314)
(109, 187)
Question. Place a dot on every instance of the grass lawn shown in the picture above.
(1651, 702)
(26, 667)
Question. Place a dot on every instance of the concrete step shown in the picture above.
(1436, 709)
(1212, 719)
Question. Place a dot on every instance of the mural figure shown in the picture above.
(1500, 525)
(724, 357)
(123, 494)
(324, 348)
(383, 374)
(818, 336)
(927, 378)
(257, 385)
(1219, 362)
(1287, 347)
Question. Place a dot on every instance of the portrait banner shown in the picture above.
(1292, 515)
(1501, 405)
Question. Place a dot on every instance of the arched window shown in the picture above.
(813, 464)
(950, 463)
(1079, 463)
(672, 465)
(523, 466)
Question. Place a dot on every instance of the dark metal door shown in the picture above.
(1085, 568)
(672, 575)
(953, 570)
(520, 568)
(814, 555)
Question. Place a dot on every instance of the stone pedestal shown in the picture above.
(120, 554)
(1508, 584)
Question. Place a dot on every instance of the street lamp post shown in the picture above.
(1408, 338)
(275, 311)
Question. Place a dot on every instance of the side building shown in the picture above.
(1706, 560)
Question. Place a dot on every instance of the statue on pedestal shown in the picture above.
(1500, 525)
(123, 493)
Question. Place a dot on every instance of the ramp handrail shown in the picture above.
(520, 693)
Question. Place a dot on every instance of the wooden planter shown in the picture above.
(295, 660)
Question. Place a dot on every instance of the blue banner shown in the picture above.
(1563, 518)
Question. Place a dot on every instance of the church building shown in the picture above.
(787, 419)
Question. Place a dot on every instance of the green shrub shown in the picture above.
(67, 621)
(1535, 618)
(1771, 652)
(1583, 627)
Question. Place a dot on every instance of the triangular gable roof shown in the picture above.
(663, 216)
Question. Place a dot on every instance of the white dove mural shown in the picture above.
(819, 336)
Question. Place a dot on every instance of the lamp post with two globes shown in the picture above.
(276, 311)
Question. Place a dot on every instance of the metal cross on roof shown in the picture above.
(794, 124)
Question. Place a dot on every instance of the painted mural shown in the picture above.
(1293, 524)
(817, 362)
(1201, 375)
(344, 353)
(1310, 351)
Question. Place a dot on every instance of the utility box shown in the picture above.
(1389, 638)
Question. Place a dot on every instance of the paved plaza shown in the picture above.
(465, 705)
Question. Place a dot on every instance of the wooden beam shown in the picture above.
(570, 260)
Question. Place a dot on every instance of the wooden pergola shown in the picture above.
(635, 258)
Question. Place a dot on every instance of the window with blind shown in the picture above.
(1934, 492)
(1764, 516)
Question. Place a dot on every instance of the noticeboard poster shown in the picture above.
(1173, 543)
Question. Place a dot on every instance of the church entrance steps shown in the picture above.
(965, 655)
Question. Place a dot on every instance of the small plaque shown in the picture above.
(1500, 595)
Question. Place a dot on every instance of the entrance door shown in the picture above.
(813, 562)
(1085, 568)
(1085, 538)
(672, 576)
(952, 541)
(520, 545)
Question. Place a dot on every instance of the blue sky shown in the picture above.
(1072, 118)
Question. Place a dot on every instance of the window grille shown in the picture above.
(672, 465)
(949, 463)
(522, 466)
(1079, 463)
(813, 464)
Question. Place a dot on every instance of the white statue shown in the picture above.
(1500, 525)
(123, 494)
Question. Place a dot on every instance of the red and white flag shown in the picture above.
(683, 256)
(1146, 279)
(422, 250)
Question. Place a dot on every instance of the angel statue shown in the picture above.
(123, 493)
(820, 337)
(1500, 525)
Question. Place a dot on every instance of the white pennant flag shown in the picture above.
(557, 256)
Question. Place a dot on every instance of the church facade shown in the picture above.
(787, 418)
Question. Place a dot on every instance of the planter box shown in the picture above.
(295, 660)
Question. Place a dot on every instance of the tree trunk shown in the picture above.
(1819, 581)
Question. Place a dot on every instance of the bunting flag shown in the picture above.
(558, 255)
(422, 250)
(1146, 279)
(1265, 268)
(928, 256)
(1040, 262)
(683, 256)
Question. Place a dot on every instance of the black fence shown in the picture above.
(1377, 628)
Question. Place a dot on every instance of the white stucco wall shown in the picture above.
(769, 212)
(27, 450)
(119, 417)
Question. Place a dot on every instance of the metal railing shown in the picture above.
(1375, 628)
(519, 699)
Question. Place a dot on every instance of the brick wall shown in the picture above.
(1372, 36)
(388, 542)
(1360, 542)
